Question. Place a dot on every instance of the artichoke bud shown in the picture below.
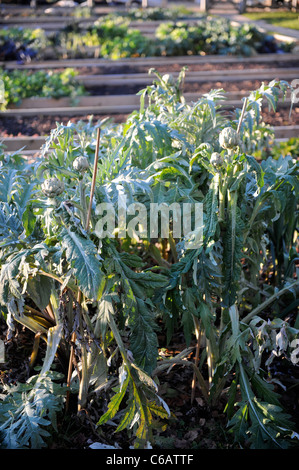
(216, 159)
(229, 138)
(52, 187)
(81, 164)
(205, 146)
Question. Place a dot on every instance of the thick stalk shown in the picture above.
(198, 339)
(85, 377)
(222, 197)
(232, 199)
(83, 390)
(50, 312)
(84, 381)
(222, 320)
(35, 349)
(209, 362)
(212, 357)
(173, 248)
(82, 188)
(242, 115)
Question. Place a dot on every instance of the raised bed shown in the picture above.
(23, 10)
(113, 104)
(56, 23)
(105, 97)
(235, 77)
(94, 53)
(114, 94)
(131, 81)
(146, 28)
(149, 62)
(191, 77)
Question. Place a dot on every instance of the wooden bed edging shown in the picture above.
(150, 61)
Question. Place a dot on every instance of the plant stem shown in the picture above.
(198, 338)
(242, 115)
(173, 248)
(210, 362)
(84, 379)
(49, 310)
(267, 302)
(35, 349)
(83, 389)
(44, 314)
(94, 176)
(222, 198)
(82, 188)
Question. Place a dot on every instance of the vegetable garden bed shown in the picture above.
(160, 316)
(111, 38)
(227, 73)
(145, 63)
(150, 343)
(68, 82)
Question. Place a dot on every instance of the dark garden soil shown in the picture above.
(173, 68)
(204, 87)
(192, 425)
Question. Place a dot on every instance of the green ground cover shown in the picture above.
(284, 19)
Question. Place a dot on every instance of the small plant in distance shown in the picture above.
(112, 37)
(20, 84)
(21, 44)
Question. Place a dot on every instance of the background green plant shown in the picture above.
(113, 38)
(19, 85)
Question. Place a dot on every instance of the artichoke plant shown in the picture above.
(101, 290)
(81, 164)
(229, 138)
(216, 159)
(52, 187)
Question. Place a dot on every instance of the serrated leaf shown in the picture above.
(158, 410)
(115, 403)
(82, 256)
(139, 310)
(129, 417)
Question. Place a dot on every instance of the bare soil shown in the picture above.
(172, 68)
(193, 425)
